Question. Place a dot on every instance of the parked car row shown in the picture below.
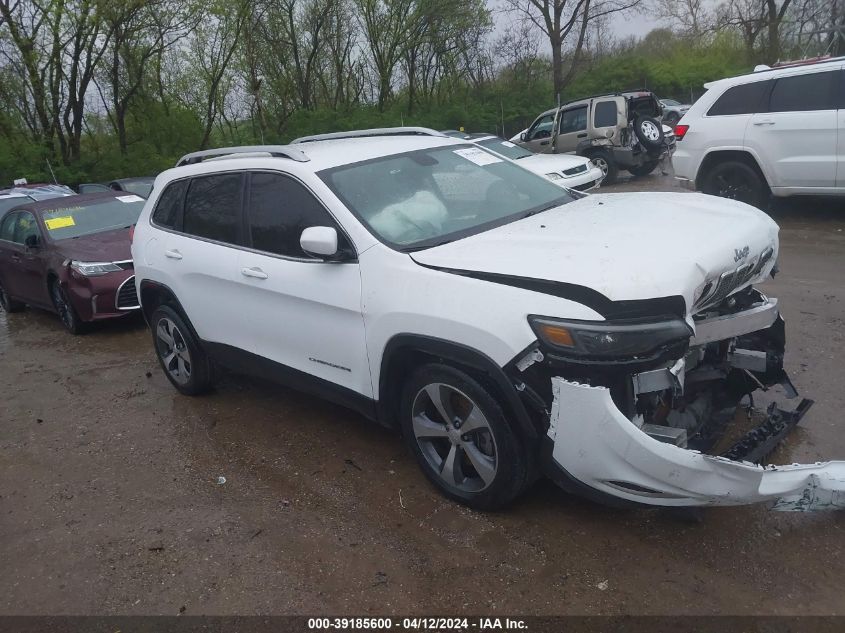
(507, 326)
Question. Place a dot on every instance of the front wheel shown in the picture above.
(180, 355)
(462, 439)
(64, 308)
(738, 181)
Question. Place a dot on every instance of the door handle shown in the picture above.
(544, 142)
(256, 273)
(16, 259)
(174, 254)
(582, 135)
(764, 122)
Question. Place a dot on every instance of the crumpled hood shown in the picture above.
(625, 246)
(108, 246)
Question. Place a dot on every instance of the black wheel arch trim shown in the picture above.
(674, 305)
(461, 355)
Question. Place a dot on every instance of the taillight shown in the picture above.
(131, 233)
(680, 131)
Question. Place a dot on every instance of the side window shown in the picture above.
(169, 205)
(213, 208)
(574, 120)
(605, 114)
(280, 208)
(744, 99)
(542, 128)
(804, 93)
(7, 227)
(24, 227)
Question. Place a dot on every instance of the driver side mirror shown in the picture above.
(31, 241)
(523, 136)
(319, 240)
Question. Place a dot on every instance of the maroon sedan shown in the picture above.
(70, 256)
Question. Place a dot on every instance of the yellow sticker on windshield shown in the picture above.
(60, 223)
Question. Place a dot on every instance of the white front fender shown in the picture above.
(597, 445)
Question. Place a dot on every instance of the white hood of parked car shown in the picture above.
(625, 246)
(548, 163)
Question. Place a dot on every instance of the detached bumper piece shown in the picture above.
(594, 445)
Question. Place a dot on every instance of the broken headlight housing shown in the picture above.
(609, 340)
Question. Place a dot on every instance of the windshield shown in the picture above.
(141, 188)
(11, 203)
(429, 197)
(92, 216)
(505, 148)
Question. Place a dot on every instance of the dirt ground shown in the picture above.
(110, 501)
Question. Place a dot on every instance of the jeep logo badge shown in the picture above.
(741, 253)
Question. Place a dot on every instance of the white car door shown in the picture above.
(797, 134)
(302, 312)
(201, 253)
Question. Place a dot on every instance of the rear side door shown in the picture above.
(608, 116)
(200, 255)
(29, 262)
(797, 133)
(305, 312)
(8, 270)
(538, 138)
(840, 144)
(572, 129)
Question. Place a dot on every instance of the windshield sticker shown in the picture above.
(478, 156)
(132, 198)
(508, 144)
(60, 223)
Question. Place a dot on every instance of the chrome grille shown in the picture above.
(575, 170)
(127, 297)
(729, 282)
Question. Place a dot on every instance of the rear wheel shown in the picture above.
(738, 181)
(180, 355)
(643, 170)
(7, 303)
(603, 160)
(64, 308)
(462, 439)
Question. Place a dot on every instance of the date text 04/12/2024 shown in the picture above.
(418, 624)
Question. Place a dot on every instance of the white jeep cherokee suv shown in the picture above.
(777, 130)
(508, 327)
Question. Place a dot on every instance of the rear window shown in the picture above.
(605, 114)
(743, 99)
(92, 216)
(804, 93)
(213, 208)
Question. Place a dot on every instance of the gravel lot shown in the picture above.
(110, 501)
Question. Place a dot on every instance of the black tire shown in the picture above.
(8, 304)
(500, 477)
(649, 131)
(181, 356)
(736, 180)
(645, 169)
(65, 310)
(603, 159)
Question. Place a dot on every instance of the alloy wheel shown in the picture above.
(733, 186)
(63, 308)
(650, 130)
(601, 163)
(173, 351)
(454, 437)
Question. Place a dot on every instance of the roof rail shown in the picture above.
(276, 151)
(809, 61)
(379, 131)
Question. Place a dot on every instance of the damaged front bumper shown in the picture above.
(596, 445)
(643, 436)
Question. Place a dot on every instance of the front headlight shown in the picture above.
(600, 340)
(553, 176)
(94, 269)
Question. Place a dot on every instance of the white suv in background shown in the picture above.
(778, 130)
(505, 325)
